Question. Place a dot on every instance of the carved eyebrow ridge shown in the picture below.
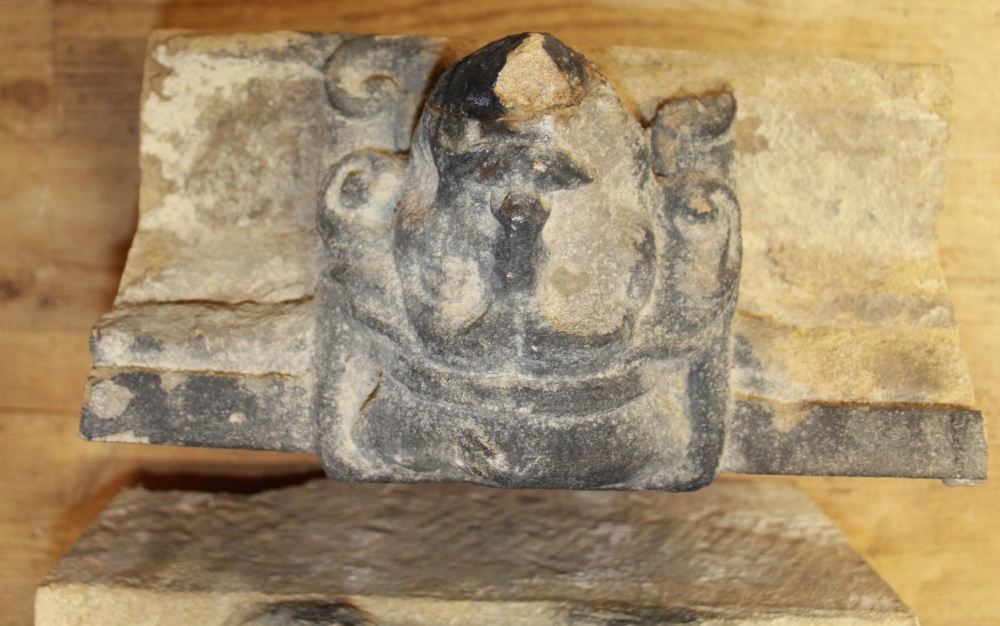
(549, 168)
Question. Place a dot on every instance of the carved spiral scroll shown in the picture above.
(382, 77)
(692, 134)
(361, 76)
(364, 185)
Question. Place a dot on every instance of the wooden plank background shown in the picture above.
(69, 84)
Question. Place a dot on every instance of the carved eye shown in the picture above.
(512, 165)
(705, 214)
(701, 200)
(556, 170)
(364, 185)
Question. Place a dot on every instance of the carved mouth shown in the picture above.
(517, 392)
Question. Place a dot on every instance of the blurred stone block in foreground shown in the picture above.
(327, 553)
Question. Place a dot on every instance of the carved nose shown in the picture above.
(521, 217)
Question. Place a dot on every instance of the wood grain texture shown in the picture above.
(68, 192)
(26, 70)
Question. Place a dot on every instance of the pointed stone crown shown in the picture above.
(518, 77)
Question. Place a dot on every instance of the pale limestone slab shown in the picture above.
(325, 553)
(250, 338)
(231, 162)
(841, 168)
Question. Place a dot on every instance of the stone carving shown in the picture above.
(510, 269)
(541, 294)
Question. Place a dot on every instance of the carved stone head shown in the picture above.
(539, 294)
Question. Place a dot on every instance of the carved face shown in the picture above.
(529, 248)
(536, 306)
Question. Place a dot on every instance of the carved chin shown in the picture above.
(517, 436)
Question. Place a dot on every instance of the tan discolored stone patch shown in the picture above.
(531, 81)
(109, 400)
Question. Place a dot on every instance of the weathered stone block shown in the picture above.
(633, 269)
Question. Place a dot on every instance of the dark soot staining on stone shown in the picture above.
(144, 344)
(521, 218)
(355, 190)
(466, 88)
(565, 59)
